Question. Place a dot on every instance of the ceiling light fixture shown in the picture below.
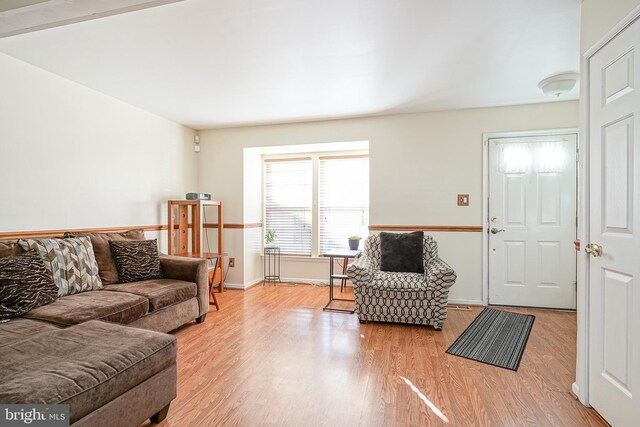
(559, 84)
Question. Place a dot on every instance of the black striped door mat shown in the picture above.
(495, 337)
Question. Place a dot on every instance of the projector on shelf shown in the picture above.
(198, 196)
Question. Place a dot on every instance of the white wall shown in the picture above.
(599, 16)
(418, 163)
(71, 157)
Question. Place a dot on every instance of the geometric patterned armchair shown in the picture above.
(414, 298)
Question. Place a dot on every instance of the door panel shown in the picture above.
(532, 197)
(614, 182)
(549, 264)
(549, 199)
(616, 328)
(617, 149)
(617, 78)
(515, 265)
(515, 197)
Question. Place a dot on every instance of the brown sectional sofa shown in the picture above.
(161, 305)
(105, 353)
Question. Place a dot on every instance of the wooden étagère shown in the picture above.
(186, 232)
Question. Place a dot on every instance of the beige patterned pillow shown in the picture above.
(71, 262)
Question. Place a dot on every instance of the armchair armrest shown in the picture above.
(360, 271)
(440, 274)
(189, 270)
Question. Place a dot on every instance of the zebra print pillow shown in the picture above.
(136, 259)
(25, 284)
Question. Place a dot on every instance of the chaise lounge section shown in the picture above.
(104, 352)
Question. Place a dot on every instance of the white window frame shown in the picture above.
(315, 188)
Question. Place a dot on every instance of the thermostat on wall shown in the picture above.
(198, 196)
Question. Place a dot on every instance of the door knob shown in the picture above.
(496, 231)
(593, 249)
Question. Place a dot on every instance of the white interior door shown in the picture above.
(532, 218)
(614, 224)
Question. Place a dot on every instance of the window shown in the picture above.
(343, 200)
(315, 203)
(287, 206)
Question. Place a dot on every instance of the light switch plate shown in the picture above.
(463, 200)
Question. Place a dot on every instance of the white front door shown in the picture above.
(532, 218)
(614, 225)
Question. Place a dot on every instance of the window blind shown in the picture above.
(343, 200)
(288, 204)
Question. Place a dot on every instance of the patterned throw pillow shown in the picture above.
(136, 260)
(71, 262)
(100, 242)
(25, 284)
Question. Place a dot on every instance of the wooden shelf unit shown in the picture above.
(185, 215)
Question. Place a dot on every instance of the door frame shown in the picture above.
(486, 137)
(581, 385)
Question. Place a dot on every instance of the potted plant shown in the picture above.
(270, 237)
(354, 242)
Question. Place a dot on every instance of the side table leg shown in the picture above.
(220, 261)
(212, 296)
(343, 282)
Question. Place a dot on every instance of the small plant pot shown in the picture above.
(354, 244)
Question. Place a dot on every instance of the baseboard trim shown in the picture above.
(244, 286)
(462, 301)
(255, 282)
(317, 282)
(575, 390)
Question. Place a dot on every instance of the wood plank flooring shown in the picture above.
(272, 357)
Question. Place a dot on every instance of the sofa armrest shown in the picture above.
(360, 271)
(440, 274)
(194, 270)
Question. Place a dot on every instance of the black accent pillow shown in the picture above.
(402, 252)
(25, 284)
(136, 260)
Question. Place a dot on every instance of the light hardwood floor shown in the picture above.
(272, 357)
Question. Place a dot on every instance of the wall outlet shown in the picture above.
(232, 262)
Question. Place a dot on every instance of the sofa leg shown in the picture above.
(201, 318)
(362, 321)
(159, 416)
(437, 326)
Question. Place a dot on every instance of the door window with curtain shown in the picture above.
(288, 203)
(343, 200)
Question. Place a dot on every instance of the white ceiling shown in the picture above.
(213, 63)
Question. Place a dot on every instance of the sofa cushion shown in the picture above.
(84, 366)
(9, 248)
(117, 307)
(21, 329)
(402, 252)
(100, 241)
(71, 262)
(137, 260)
(25, 284)
(401, 281)
(160, 292)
